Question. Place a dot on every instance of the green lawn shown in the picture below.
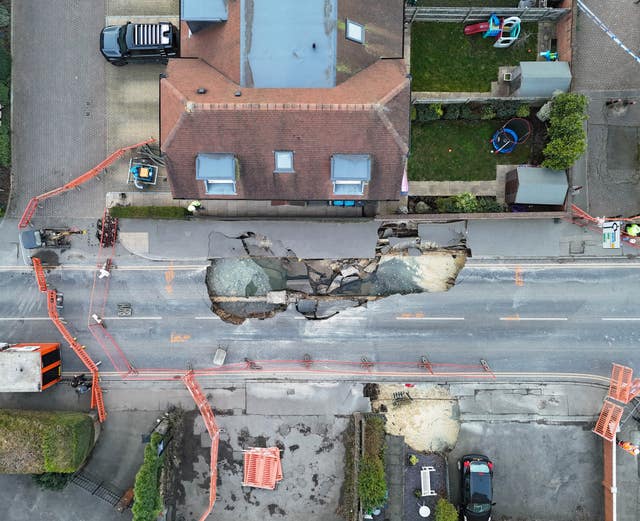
(470, 158)
(443, 59)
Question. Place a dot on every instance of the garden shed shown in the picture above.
(541, 79)
(536, 185)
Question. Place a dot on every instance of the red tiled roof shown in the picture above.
(313, 123)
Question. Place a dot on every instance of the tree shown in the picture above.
(567, 138)
(445, 511)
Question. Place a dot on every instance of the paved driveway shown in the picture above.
(58, 102)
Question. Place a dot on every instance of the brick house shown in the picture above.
(287, 101)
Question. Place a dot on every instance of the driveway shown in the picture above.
(58, 103)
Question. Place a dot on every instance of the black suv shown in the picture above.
(476, 484)
(121, 44)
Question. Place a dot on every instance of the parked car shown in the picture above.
(476, 484)
(122, 44)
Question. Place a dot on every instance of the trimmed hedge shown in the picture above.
(149, 212)
(372, 486)
(148, 504)
(36, 442)
(567, 137)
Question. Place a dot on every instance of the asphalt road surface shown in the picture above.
(564, 318)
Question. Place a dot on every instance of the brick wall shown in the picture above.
(564, 31)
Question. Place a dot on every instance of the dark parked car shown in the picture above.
(476, 483)
(121, 44)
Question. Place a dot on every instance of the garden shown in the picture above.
(453, 142)
(444, 59)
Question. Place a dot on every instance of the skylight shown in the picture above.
(218, 171)
(350, 173)
(284, 161)
(355, 31)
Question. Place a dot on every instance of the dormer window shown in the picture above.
(350, 173)
(283, 161)
(218, 171)
(354, 31)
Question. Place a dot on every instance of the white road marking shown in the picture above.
(429, 318)
(532, 319)
(211, 317)
(620, 319)
(132, 318)
(9, 319)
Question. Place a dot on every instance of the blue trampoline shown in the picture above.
(514, 132)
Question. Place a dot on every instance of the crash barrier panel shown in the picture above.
(33, 203)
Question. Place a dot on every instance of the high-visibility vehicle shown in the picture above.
(28, 368)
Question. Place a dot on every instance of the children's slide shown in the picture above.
(476, 28)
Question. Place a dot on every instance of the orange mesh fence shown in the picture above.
(620, 384)
(608, 421)
(214, 432)
(32, 206)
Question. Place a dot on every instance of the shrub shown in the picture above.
(461, 203)
(505, 109)
(413, 459)
(5, 64)
(414, 113)
(374, 436)
(421, 207)
(487, 113)
(146, 490)
(488, 205)
(5, 145)
(445, 511)
(149, 212)
(452, 111)
(4, 94)
(523, 111)
(430, 112)
(372, 486)
(52, 480)
(567, 138)
(5, 17)
(468, 111)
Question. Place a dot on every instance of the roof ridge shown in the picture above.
(175, 90)
(393, 92)
(337, 107)
(402, 145)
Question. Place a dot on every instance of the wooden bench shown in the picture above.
(425, 481)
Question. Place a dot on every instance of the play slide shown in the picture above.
(476, 28)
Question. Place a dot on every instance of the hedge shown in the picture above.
(35, 442)
(149, 212)
(148, 504)
(567, 137)
(372, 486)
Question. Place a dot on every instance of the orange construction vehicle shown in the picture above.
(27, 368)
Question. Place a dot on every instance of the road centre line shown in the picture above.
(212, 317)
(9, 319)
(132, 318)
(534, 319)
(620, 319)
(429, 318)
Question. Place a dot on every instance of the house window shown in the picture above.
(218, 172)
(350, 173)
(354, 31)
(283, 161)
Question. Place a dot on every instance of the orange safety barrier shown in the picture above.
(52, 310)
(40, 278)
(620, 383)
(210, 423)
(608, 421)
(595, 223)
(262, 468)
(30, 210)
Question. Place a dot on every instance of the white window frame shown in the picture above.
(345, 182)
(207, 182)
(350, 24)
(279, 169)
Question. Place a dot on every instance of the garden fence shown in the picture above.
(481, 14)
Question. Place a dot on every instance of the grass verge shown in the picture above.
(443, 59)
(458, 151)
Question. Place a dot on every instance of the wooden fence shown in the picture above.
(481, 14)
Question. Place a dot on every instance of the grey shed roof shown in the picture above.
(541, 186)
(542, 79)
(20, 371)
(204, 10)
